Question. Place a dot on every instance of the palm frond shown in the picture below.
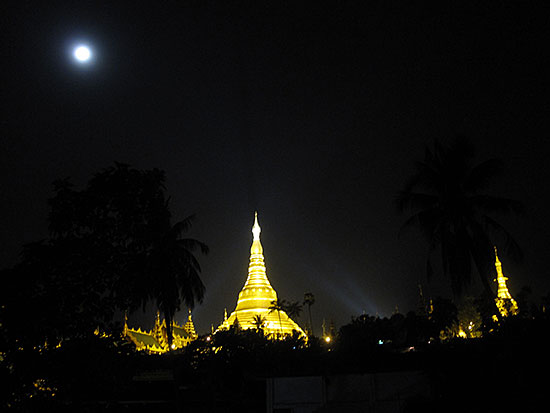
(481, 175)
(181, 227)
(494, 204)
(427, 222)
(192, 245)
(425, 176)
(511, 247)
(482, 252)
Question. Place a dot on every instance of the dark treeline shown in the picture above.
(227, 371)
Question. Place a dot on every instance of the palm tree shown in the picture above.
(449, 205)
(309, 300)
(259, 323)
(174, 272)
(278, 305)
(293, 310)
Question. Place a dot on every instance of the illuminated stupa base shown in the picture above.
(257, 296)
(271, 325)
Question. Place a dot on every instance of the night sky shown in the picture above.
(313, 116)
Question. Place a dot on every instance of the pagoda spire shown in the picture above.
(257, 287)
(505, 303)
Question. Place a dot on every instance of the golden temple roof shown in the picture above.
(155, 341)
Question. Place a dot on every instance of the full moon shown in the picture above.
(82, 53)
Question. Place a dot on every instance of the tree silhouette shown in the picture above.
(259, 322)
(111, 248)
(309, 300)
(444, 313)
(292, 309)
(278, 305)
(174, 272)
(447, 197)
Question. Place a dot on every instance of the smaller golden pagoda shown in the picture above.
(505, 303)
(155, 341)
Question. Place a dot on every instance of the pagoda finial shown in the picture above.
(256, 228)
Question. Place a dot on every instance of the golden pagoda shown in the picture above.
(155, 341)
(257, 296)
(505, 303)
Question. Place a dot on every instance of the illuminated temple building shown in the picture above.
(155, 341)
(505, 303)
(257, 296)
